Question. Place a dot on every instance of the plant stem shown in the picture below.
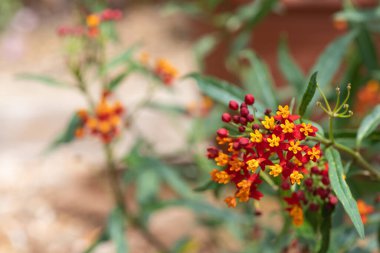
(116, 187)
(357, 157)
(331, 128)
(118, 195)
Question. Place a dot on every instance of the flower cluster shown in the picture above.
(104, 122)
(93, 22)
(275, 144)
(163, 69)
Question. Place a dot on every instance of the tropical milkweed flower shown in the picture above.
(104, 122)
(275, 145)
(364, 210)
(165, 71)
(92, 24)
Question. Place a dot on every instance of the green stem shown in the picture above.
(114, 181)
(357, 157)
(331, 128)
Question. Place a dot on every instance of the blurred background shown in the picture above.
(58, 202)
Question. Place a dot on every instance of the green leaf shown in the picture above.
(217, 89)
(342, 190)
(203, 47)
(69, 133)
(42, 79)
(308, 94)
(368, 125)
(120, 59)
(251, 14)
(289, 68)
(221, 91)
(257, 79)
(116, 226)
(174, 181)
(109, 31)
(148, 184)
(331, 58)
(367, 49)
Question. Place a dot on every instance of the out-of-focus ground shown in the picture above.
(58, 202)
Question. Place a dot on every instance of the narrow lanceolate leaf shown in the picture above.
(367, 49)
(69, 133)
(331, 58)
(290, 69)
(368, 125)
(203, 47)
(148, 184)
(222, 91)
(218, 90)
(257, 79)
(44, 79)
(308, 94)
(120, 59)
(116, 226)
(341, 189)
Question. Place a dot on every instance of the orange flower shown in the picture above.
(364, 210)
(165, 71)
(104, 123)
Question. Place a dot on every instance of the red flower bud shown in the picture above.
(249, 99)
(285, 186)
(250, 118)
(222, 133)
(243, 141)
(308, 182)
(333, 200)
(325, 180)
(226, 117)
(212, 152)
(243, 121)
(233, 105)
(241, 129)
(268, 111)
(236, 119)
(244, 112)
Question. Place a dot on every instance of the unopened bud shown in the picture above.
(349, 86)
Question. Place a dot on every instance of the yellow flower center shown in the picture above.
(221, 159)
(230, 201)
(296, 177)
(288, 127)
(283, 111)
(221, 177)
(256, 136)
(297, 214)
(253, 164)
(314, 153)
(268, 123)
(275, 170)
(236, 164)
(306, 129)
(294, 147)
(274, 141)
(93, 20)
